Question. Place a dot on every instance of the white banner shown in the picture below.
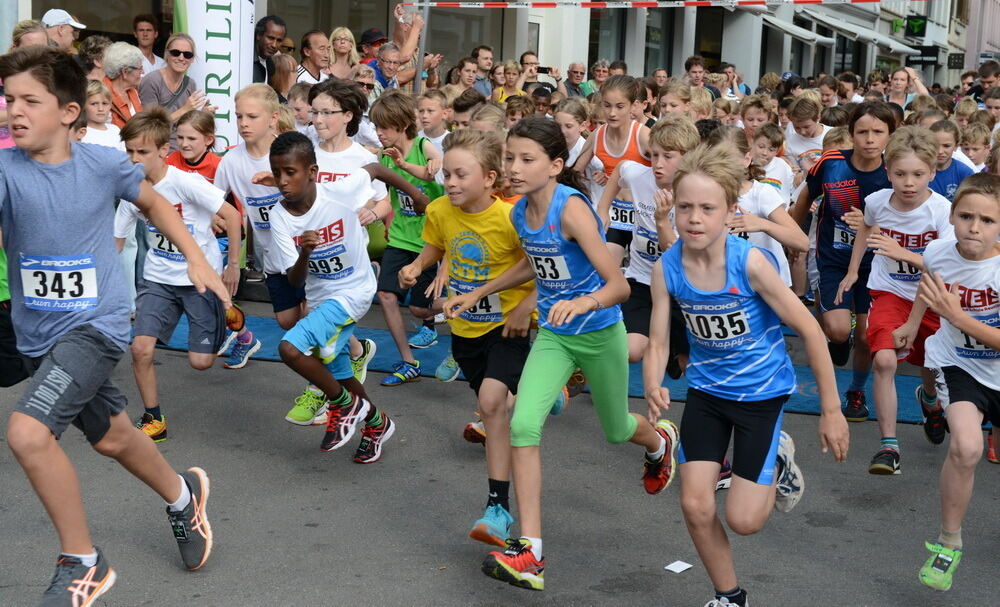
(223, 32)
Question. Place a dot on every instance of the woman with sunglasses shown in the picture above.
(170, 86)
(364, 76)
(343, 53)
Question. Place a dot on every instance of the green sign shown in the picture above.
(916, 26)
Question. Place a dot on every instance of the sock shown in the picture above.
(343, 400)
(429, 323)
(88, 560)
(313, 389)
(858, 381)
(499, 494)
(654, 456)
(245, 337)
(951, 539)
(155, 412)
(929, 401)
(184, 499)
(890, 442)
(536, 546)
(374, 417)
(737, 596)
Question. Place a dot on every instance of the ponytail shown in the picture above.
(573, 179)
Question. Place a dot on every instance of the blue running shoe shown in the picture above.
(425, 338)
(402, 372)
(448, 370)
(241, 353)
(226, 344)
(561, 401)
(494, 527)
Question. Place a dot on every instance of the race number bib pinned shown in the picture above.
(843, 236)
(717, 327)
(622, 215)
(550, 268)
(406, 205)
(59, 283)
(487, 309)
(260, 210)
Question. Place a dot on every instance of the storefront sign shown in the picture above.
(928, 56)
(956, 61)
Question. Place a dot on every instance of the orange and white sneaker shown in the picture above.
(516, 565)
(657, 476)
(991, 450)
(475, 432)
(76, 585)
(191, 528)
(155, 429)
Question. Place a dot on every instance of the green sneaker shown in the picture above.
(309, 409)
(360, 365)
(937, 571)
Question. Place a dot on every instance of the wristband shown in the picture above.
(599, 306)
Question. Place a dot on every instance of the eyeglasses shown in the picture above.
(577, 72)
(529, 64)
(288, 49)
(342, 40)
(388, 62)
(177, 53)
(325, 113)
(368, 85)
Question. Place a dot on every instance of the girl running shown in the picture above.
(573, 117)
(733, 305)
(580, 325)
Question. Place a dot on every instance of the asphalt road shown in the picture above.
(295, 526)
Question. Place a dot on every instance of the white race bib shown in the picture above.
(717, 327)
(59, 283)
(622, 215)
(550, 267)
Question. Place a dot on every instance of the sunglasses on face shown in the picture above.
(368, 85)
(577, 72)
(177, 53)
(288, 49)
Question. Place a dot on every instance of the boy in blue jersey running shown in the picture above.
(739, 374)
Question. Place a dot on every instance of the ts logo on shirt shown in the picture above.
(325, 177)
(332, 233)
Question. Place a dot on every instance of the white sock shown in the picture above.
(655, 456)
(313, 389)
(184, 499)
(536, 545)
(88, 560)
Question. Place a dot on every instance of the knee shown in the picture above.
(622, 432)
(699, 511)
(884, 362)
(860, 339)
(745, 523)
(493, 407)
(965, 452)
(27, 436)
(386, 298)
(524, 434)
(421, 313)
(142, 352)
(112, 445)
(288, 352)
(201, 363)
(838, 333)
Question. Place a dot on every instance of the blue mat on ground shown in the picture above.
(805, 400)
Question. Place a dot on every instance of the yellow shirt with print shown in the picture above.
(479, 246)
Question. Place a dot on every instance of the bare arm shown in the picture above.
(654, 359)
(611, 190)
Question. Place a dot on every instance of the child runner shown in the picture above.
(755, 112)
(416, 160)
(195, 140)
(298, 102)
(432, 114)
(674, 98)
(845, 178)
(579, 289)
(331, 260)
(98, 108)
(908, 216)
(948, 173)
(708, 271)
(768, 141)
(961, 284)
(804, 136)
(975, 140)
(70, 309)
(165, 291)
(573, 117)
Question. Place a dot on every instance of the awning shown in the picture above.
(798, 32)
(859, 32)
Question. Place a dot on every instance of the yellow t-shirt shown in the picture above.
(480, 247)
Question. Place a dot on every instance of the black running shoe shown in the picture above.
(935, 424)
(370, 449)
(341, 421)
(856, 409)
(76, 585)
(885, 462)
(840, 353)
(191, 528)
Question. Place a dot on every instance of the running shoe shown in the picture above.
(341, 422)
(991, 449)
(791, 485)
(254, 276)
(475, 432)
(360, 364)
(191, 528)
(576, 383)
(885, 462)
(856, 409)
(424, 338)
(657, 476)
(935, 425)
(494, 527)
(155, 429)
(560, 403)
(227, 343)
(370, 449)
(724, 602)
(840, 353)
(76, 585)
(725, 476)
(309, 410)
(402, 372)
(448, 370)
(241, 353)
(937, 572)
(516, 565)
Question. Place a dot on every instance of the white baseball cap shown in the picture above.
(58, 16)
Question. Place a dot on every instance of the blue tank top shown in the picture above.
(562, 269)
(737, 349)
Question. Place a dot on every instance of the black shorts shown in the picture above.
(620, 237)
(13, 364)
(284, 296)
(955, 385)
(491, 355)
(158, 307)
(393, 260)
(71, 384)
(755, 427)
(637, 310)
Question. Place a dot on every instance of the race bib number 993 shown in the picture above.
(59, 283)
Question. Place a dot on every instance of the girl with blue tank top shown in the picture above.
(580, 326)
(733, 302)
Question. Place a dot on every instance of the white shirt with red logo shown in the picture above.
(335, 165)
(914, 230)
(978, 287)
(339, 267)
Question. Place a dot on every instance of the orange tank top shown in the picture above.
(631, 151)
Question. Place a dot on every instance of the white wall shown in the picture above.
(562, 37)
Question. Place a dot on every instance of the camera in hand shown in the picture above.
(544, 70)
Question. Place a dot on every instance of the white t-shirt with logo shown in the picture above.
(804, 151)
(914, 230)
(644, 249)
(761, 200)
(779, 175)
(979, 292)
(233, 175)
(336, 165)
(594, 167)
(303, 75)
(339, 267)
(197, 202)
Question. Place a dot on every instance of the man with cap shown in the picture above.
(269, 33)
(62, 28)
(371, 40)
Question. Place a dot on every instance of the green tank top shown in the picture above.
(407, 225)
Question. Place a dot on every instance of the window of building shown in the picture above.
(607, 34)
(708, 35)
(112, 19)
(821, 55)
(848, 56)
(659, 29)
